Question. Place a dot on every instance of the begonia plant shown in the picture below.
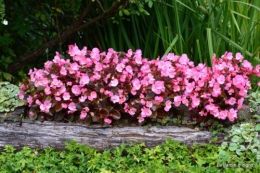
(99, 86)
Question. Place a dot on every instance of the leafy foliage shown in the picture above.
(8, 97)
(243, 140)
(169, 157)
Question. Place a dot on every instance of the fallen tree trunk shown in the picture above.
(52, 134)
(36, 134)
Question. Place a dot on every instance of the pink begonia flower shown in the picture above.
(223, 114)
(122, 99)
(168, 105)
(45, 107)
(146, 112)
(177, 101)
(150, 78)
(82, 98)
(195, 102)
(228, 55)
(38, 102)
(107, 120)
(158, 87)
(242, 92)
(129, 69)
(69, 83)
(72, 107)
(114, 82)
(158, 100)
(246, 64)
(136, 84)
(21, 95)
(83, 115)
(62, 89)
(138, 56)
(86, 109)
(98, 66)
(93, 94)
(232, 101)
(63, 71)
(149, 104)
(76, 90)
(74, 66)
(57, 98)
(238, 80)
(184, 59)
(140, 119)
(184, 101)
(36, 152)
(176, 88)
(239, 57)
(211, 107)
(232, 114)
(120, 67)
(142, 101)
(132, 111)
(73, 50)
(216, 90)
(45, 82)
(190, 87)
(145, 68)
(221, 79)
(64, 105)
(95, 54)
(56, 83)
(66, 96)
(31, 113)
(240, 103)
(115, 98)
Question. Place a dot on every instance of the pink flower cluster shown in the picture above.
(94, 83)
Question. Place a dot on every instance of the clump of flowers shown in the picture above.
(99, 86)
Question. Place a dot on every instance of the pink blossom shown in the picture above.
(114, 82)
(158, 87)
(47, 90)
(63, 71)
(232, 101)
(195, 102)
(115, 98)
(120, 67)
(189, 87)
(221, 79)
(82, 98)
(132, 111)
(84, 79)
(177, 101)
(138, 56)
(129, 69)
(149, 104)
(66, 96)
(64, 105)
(74, 66)
(246, 64)
(158, 100)
(216, 90)
(239, 57)
(83, 115)
(95, 54)
(72, 107)
(232, 114)
(184, 59)
(45, 107)
(107, 120)
(136, 84)
(98, 66)
(146, 112)
(168, 105)
(76, 90)
(238, 80)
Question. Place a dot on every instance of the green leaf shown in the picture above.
(126, 12)
(233, 147)
(257, 127)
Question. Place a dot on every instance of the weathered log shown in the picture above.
(52, 134)
(35, 134)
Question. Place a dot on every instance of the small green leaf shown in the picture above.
(126, 12)
(257, 127)
(233, 147)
